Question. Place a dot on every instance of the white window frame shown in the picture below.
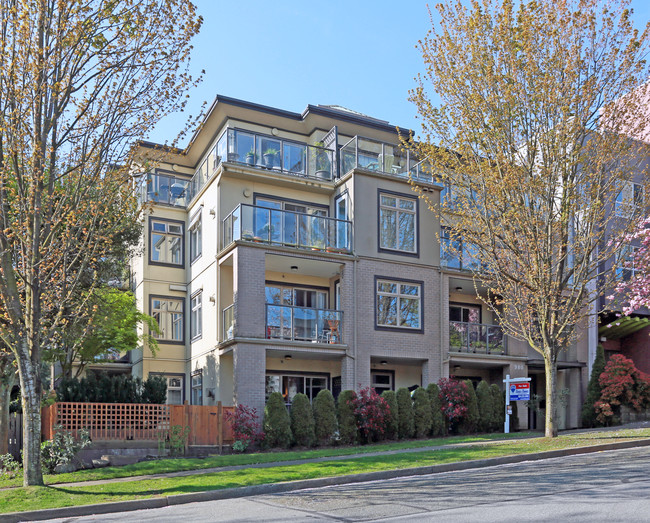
(173, 386)
(197, 387)
(170, 233)
(196, 315)
(196, 238)
(375, 385)
(398, 210)
(399, 296)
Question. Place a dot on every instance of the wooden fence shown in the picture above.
(139, 422)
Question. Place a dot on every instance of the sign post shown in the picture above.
(516, 389)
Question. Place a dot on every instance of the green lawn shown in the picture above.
(180, 464)
(53, 496)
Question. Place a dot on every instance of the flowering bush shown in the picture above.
(454, 397)
(371, 412)
(622, 384)
(246, 428)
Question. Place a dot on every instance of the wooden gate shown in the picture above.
(15, 435)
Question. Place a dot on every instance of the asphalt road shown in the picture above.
(608, 486)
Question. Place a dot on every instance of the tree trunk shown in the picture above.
(31, 391)
(550, 371)
(6, 384)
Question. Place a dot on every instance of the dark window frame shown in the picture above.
(153, 219)
(399, 252)
(166, 297)
(399, 329)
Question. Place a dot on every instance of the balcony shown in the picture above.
(162, 188)
(477, 338)
(386, 158)
(286, 322)
(288, 228)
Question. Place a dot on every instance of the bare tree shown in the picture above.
(532, 168)
(79, 80)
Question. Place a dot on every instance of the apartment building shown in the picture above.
(288, 252)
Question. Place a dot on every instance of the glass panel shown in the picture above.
(387, 223)
(413, 290)
(410, 313)
(388, 201)
(244, 143)
(292, 385)
(383, 286)
(273, 295)
(406, 231)
(294, 158)
(386, 310)
(272, 385)
(269, 151)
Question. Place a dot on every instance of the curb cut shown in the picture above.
(276, 488)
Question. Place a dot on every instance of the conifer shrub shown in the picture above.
(348, 432)
(471, 419)
(154, 390)
(371, 414)
(302, 421)
(594, 390)
(438, 427)
(277, 425)
(392, 421)
(121, 388)
(485, 408)
(423, 417)
(498, 407)
(405, 412)
(324, 411)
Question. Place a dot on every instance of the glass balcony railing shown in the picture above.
(228, 322)
(476, 338)
(164, 188)
(287, 322)
(387, 158)
(293, 229)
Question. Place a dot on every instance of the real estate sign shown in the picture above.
(519, 391)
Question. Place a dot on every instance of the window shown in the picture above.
(629, 201)
(455, 253)
(290, 385)
(196, 315)
(195, 238)
(381, 381)
(166, 242)
(625, 268)
(465, 313)
(290, 223)
(174, 388)
(342, 227)
(197, 388)
(168, 312)
(398, 304)
(397, 223)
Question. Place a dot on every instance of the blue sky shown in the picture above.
(287, 54)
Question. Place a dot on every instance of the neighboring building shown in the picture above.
(288, 252)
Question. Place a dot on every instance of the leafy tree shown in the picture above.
(277, 425)
(325, 417)
(453, 400)
(348, 431)
(533, 178)
(423, 416)
(485, 407)
(80, 80)
(392, 423)
(499, 407)
(405, 412)
(471, 419)
(302, 421)
(438, 427)
(594, 390)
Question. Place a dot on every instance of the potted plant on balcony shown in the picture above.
(269, 157)
(322, 161)
(251, 157)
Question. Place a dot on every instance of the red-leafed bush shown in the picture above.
(246, 427)
(622, 384)
(454, 398)
(371, 412)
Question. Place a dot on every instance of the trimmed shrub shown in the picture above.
(348, 431)
(406, 427)
(392, 421)
(485, 408)
(121, 388)
(438, 427)
(324, 410)
(594, 390)
(246, 428)
(422, 414)
(154, 390)
(453, 400)
(302, 421)
(277, 425)
(622, 384)
(371, 413)
(498, 407)
(471, 419)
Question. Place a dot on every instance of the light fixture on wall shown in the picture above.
(459, 289)
(288, 357)
(383, 362)
(211, 393)
(294, 268)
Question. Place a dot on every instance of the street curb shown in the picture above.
(275, 488)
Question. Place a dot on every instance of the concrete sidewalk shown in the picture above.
(122, 506)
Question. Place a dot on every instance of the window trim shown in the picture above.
(196, 222)
(198, 372)
(177, 298)
(383, 371)
(378, 327)
(168, 375)
(281, 199)
(468, 305)
(629, 209)
(153, 219)
(305, 374)
(199, 334)
(399, 252)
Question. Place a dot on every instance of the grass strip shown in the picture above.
(52, 496)
(163, 466)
